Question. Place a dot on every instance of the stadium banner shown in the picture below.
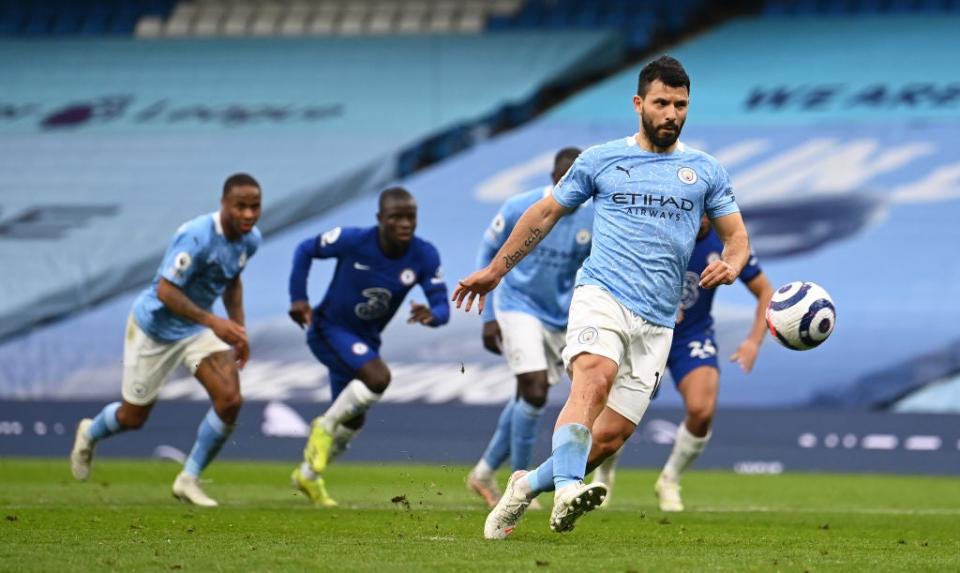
(790, 440)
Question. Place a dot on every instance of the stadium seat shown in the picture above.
(94, 24)
(470, 22)
(322, 24)
(149, 27)
(294, 23)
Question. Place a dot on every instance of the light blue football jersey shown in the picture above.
(202, 262)
(648, 207)
(542, 283)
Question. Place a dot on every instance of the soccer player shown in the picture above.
(172, 323)
(376, 268)
(649, 192)
(529, 323)
(694, 367)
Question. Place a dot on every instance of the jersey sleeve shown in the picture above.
(434, 287)
(184, 255)
(324, 246)
(752, 268)
(577, 185)
(719, 200)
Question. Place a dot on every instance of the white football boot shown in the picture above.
(187, 488)
(668, 492)
(571, 502)
(503, 519)
(82, 454)
(486, 488)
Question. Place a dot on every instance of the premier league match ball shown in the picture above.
(801, 315)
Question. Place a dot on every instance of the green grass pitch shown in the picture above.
(124, 519)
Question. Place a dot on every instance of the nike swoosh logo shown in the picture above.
(361, 267)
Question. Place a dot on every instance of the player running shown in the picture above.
(694, 367)
(649, 192)
(529, 323)
(172, 324)
(376, 268)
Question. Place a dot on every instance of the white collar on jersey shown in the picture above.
(217, 223)
(632, 140)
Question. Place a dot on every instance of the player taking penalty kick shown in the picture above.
(649, 192)
(172, 324)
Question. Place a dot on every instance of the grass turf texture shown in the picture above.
(417, 518)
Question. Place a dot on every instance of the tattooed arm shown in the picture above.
(533, 226)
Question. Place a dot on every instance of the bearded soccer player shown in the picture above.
(172, 324)
(376, 268)
(694, 366)
(649, 192)
(529, 323)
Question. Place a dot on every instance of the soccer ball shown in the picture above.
(801, 315)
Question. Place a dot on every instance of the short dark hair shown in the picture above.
(666, 69)
(239, 180)
(566, 154)
(394, 194)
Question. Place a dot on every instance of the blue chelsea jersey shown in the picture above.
(542, 283)
(201, 262)
(696, 302)
(648, 207)
(368, 286)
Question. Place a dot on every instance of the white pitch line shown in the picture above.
(855, 510)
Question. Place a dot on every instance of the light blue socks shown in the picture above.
(105, 424)
(571, 448)
(499, 447)
(523, 433)
(211, 435)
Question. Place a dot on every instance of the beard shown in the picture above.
(662, 141)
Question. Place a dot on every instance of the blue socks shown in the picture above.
(105, 424)
(541, 479)
(523, 433)
(571, 448)
(211, 435)
(499, 447)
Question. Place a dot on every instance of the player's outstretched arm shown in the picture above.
(746, 354)
(533, 226)
(736, 252)
(227, 330)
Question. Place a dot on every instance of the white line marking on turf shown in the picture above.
(855, 510)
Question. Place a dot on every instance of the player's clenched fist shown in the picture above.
(476, 285)
(718, 273)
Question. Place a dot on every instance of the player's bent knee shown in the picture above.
(377, 380)
(701, 412)
(533, 388)
(132, 418)
(607, 442)
(228, 406)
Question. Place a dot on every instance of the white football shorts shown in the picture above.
(531, 346)
(600, 325)
(147, 363)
